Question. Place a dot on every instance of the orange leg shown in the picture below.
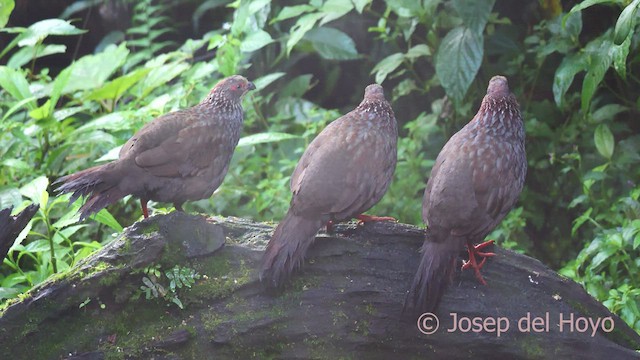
(145, 211)
(474, 250)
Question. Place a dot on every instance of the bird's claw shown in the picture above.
(474, 250)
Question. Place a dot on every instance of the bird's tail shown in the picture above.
(433, 276)
(287, 248)
(98, 184)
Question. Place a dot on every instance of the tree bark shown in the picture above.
(345, 303)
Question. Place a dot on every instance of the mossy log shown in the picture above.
(345, 303)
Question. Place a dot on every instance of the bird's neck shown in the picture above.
(500, 116)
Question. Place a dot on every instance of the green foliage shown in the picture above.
(577, 83)
(167, 287)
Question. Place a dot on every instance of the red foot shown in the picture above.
(145, 211)
(362, 218)
(474, 250)
(330, 226)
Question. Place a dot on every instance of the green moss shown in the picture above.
(151, 228)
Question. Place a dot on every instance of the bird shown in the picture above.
(11, 226)
(475, 181)
(180, 156)
(343, 172)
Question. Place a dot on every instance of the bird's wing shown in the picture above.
(337, 174)
(175, 145)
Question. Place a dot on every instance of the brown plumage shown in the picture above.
(345, 170)
(475, 181)
(180, 156)
(12, 226)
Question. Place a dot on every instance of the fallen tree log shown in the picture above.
(345, 303)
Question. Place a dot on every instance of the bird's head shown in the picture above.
(232, 88)
(498, 87)
(374, 92)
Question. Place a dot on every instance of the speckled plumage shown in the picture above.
(180, 156)
(343, 172)
(475, 181)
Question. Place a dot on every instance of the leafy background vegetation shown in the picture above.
(72, 92)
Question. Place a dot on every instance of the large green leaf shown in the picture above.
(565, 73)
(91, 71)
(255, 40)
(458, 61)
(26, 54)
(474, 13)
(6, 7)
(116, 87)
(37, 32)
(264, 81)
(36, 190)
(599, 62)
(332, 44)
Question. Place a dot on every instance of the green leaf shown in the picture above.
(37, 32)
(116, 87)
(26, 54)
(332, 44)
(104, 217)
(289, 12)
(334, 9)
(418, 51)
(302, 26)
(14, 82)
(625, 23)
(111, 155)
(608, 112)
(255, 40)
(91, 71)
(474, 13)
(6, 7)
(458, 60)
(620, 54)
(34, 190)
(588, 3)
(266, 137)
(360, 4)
(386, 66)
(264, 81)
(599, 62)
(566, 72)
(604, 141)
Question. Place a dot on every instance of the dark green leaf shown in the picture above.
(104, 217)
(332, 44)
(458, 60)
(14, 82)
(474, 13)
(566, 72)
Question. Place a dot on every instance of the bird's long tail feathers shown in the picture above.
(287, 248)
(96, 184)
(434, 274)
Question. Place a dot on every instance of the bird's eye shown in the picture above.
(237, 87)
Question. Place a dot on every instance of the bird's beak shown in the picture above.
(250, 86)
